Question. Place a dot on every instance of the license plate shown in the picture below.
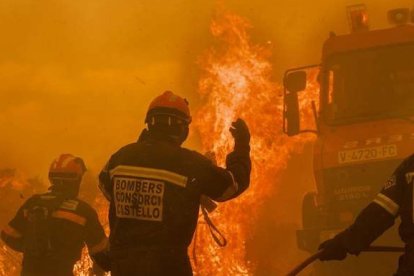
(366, 154)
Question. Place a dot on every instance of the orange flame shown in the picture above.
(237, 82)
(13, 186)
(84, 266)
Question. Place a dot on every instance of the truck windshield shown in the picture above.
(371, 84)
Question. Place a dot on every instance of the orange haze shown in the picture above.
(77, 76)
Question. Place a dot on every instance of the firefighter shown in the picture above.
(154, 188)
(50, 229)
(395, 199)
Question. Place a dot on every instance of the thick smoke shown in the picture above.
(77, 76)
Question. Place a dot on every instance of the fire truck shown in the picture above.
(364, 126)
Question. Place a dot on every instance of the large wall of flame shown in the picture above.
(77, 76)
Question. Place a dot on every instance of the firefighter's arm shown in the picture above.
(97, 242)
(12, 233)
(378, 216)
(238, 161)
(224, 184)
(105, 182)
(368, 226)
(12, 238)
(372, 222)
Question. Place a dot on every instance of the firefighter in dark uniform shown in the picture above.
(154, 188)
(395, 199)
(51, 229)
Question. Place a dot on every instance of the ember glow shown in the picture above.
(84, 266)
(237, 82)
(13, 188)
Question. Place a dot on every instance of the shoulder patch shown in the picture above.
(391, 182)
(70, 204)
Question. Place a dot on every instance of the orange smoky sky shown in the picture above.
(77, 76)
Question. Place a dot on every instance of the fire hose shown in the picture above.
(316, 256)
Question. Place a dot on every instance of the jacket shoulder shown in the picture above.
(194, 156)
(125, 150)
(407, 164)
(85, 207)
(78, 206)
(129, 146)
(410, 159)
(37, 197)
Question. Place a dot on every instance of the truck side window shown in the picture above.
(335, 91)
(331, 79)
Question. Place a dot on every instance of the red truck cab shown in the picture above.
(364, 127)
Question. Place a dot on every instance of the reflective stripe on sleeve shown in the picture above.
(10, 231)
(231, 190)
(388, 204)
(101, 246)
(158, 174)
(69, 216)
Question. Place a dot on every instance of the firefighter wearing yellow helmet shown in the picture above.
(154, 188)
(50, 229)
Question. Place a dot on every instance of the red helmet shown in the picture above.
(170, 106)
(67, 167)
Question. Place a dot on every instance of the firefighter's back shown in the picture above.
(157, 210)
(53, 229)
(154, 188)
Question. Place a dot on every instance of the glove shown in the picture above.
(332, 250)
(240, 133)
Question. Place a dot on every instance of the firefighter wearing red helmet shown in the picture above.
(154, 188)
(51, 229)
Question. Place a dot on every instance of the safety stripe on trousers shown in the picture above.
(388, 204)
(151, 173)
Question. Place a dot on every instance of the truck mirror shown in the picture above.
(295, 81)
(292, 114)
